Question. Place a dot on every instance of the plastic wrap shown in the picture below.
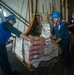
(45, 30)
(34, 53)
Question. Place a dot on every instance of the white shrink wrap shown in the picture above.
(45, 30)
(18, 47)
(40, 50)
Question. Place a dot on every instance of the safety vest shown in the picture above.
(4, 35)
(58, 27)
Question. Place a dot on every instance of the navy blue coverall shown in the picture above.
(61, 31)
(5, 32)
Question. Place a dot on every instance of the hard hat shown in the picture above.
(56, 14)
(72, 13)
(11, 17)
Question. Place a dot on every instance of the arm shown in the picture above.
(25, 37)
(62, 32)
(8, 27)
(71, 25)
(58, 40)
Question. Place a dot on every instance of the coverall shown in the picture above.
(5, 32)
(61, 31)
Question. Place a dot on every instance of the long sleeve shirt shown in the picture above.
(9, 27)
(61, 30)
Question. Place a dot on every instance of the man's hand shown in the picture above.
(31, 40)
(51, 36)
(71, 25)
(54, 44)
(27, 38)
(58, 40)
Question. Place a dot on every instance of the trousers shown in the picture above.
(65, 45)
(4, 62)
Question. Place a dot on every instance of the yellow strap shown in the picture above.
(29, 28)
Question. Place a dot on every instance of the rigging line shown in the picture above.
(23, 51)
(4, 4)
(14, 14)
(26, 13)
(20, 13)
(1, 14)
(36, 6)
(46, 5)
